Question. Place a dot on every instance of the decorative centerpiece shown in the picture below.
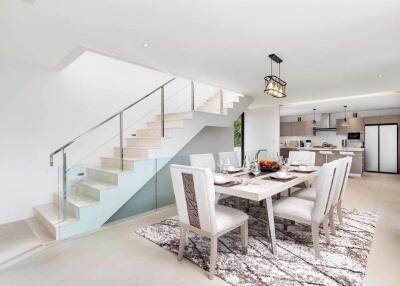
(269, 166)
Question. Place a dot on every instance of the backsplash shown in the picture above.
(327, 136)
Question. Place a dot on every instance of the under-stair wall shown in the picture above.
(158, 192)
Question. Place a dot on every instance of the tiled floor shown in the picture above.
(116, 256)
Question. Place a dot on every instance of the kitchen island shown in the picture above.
(357, 165)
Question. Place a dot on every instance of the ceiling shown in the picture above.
(330, 48)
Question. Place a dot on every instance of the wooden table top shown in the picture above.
(259, 189)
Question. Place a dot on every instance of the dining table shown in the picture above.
(262, 188)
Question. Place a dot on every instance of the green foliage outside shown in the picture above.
(237, 132)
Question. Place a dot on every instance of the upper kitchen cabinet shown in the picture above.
(308, 128)
(286, 128)
(356, 124)
(340, 130)
(372, 120)
(390, 119)
(382, 119)
(297, 128)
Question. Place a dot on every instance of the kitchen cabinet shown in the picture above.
(356, 124)
(340, 130)
(382, 119)
(390, 119)
(286, 128)
(308, 128)
(372, 120)
(297, 128)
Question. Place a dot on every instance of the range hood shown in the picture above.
(325, 123)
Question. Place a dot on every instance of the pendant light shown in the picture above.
(274, 85)
(345, 123)
(314, 122)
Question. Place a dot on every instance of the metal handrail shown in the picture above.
(161, 87)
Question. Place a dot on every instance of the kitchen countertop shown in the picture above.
(345, 149)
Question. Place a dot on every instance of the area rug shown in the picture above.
(343, 262)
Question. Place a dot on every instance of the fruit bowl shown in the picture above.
(269, 166)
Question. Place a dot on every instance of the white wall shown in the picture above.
(262, 127)
(41, 109)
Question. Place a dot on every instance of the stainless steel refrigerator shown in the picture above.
(381, 148)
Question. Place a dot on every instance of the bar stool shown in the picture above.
(326, 153)
(347, 154)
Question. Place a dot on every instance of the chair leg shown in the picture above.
(247, 206)
(182, 242)
(326, 230)
(332, 222)
(244, 236)
(339, 212)
(289, 192)
(237, 202)
(213, 256)
(315, 238)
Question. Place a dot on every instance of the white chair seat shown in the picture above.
(226, 217)
(309, 194)
(293, 208)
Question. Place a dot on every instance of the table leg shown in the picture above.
(271, 223)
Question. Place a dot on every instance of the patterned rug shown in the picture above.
(343, 262)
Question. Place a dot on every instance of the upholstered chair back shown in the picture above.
(302, 157)
(345, 165)
(203, 160)
(326, 187)
(195, 196)
(231, 157)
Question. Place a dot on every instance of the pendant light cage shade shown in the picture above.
(274, 86)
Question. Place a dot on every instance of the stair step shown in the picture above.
(175, 116)
(143, 142)
(154, 132)
(49, 216)
(132, 152)
(94, 188)
(40, 231)
(114, 162)
(175, 123)
(104, 174)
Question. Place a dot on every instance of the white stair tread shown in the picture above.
(108, 170)
(51, 214)
(125, 158)
(140, 148)
(99, 185)
(80, 200)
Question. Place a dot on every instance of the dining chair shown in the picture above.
(337, 201)
(195, 200)
(203, 160)
(302, 157)
(344, 165)
(312, 213)
(206, 161)
(232, 157)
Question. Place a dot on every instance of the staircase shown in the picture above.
(105, 189)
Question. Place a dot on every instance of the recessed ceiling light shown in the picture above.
(380, 75)
(146, 45)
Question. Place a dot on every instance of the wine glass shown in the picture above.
(256, 169)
